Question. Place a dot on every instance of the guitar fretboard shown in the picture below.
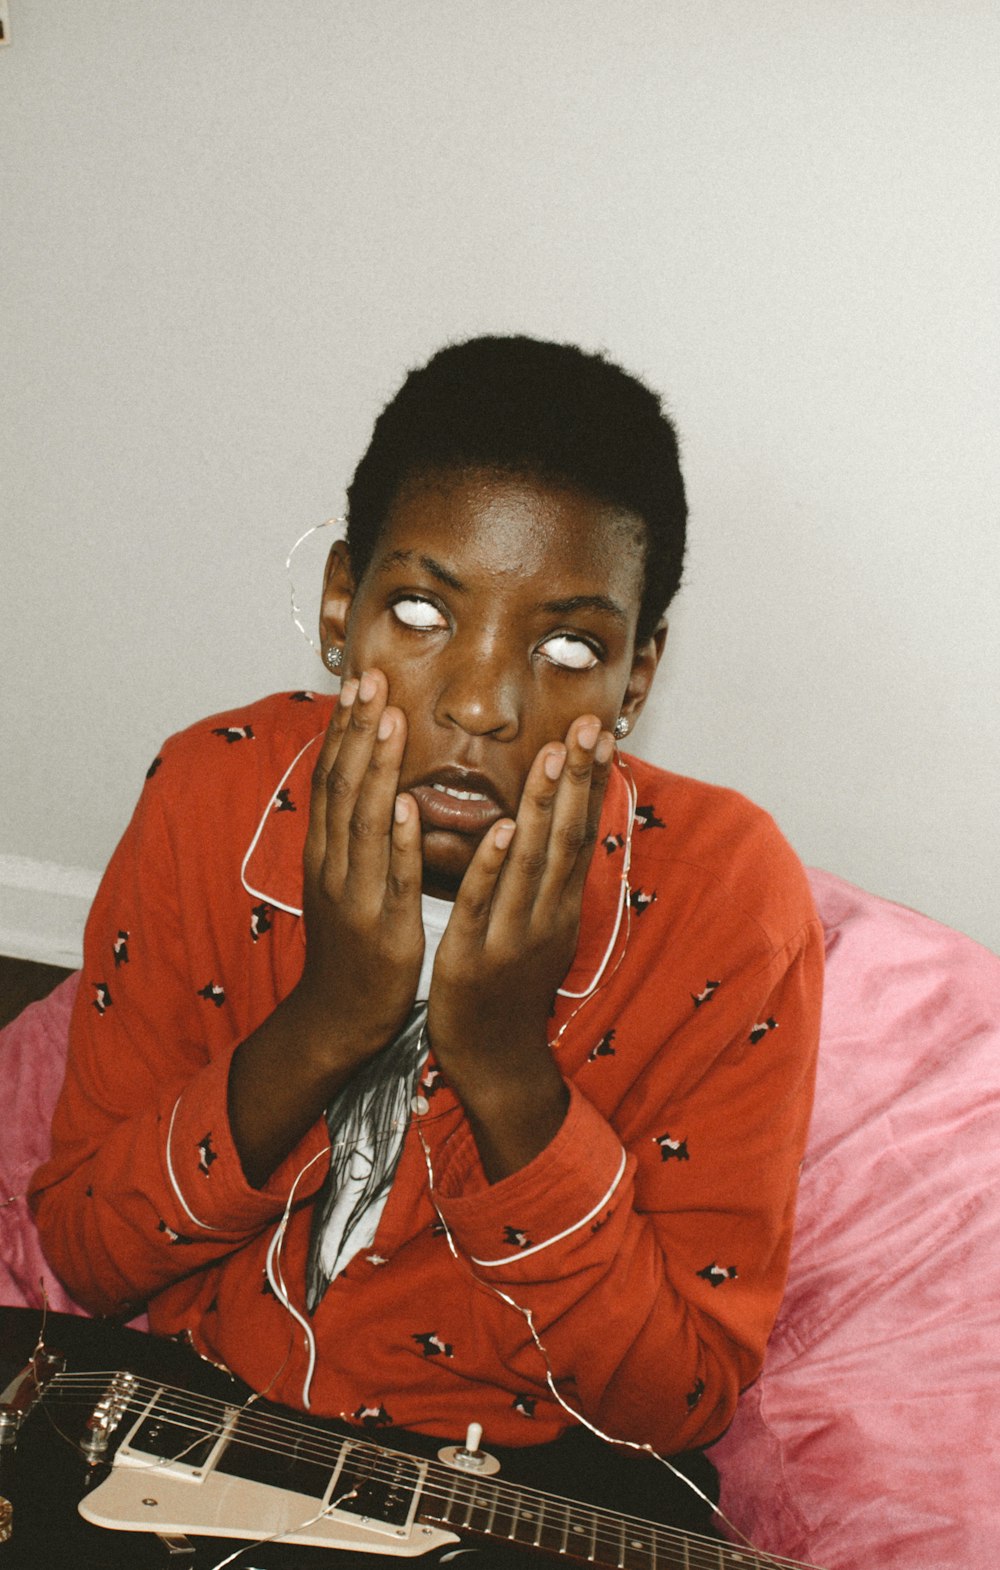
(573, 1531)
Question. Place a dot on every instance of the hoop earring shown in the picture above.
(297, 619)
(334, 658)
(621, 728)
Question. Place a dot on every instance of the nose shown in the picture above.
(480, 693)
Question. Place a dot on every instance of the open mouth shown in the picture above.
(456, 808)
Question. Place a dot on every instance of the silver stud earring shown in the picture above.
(621, 728)
(334, 658)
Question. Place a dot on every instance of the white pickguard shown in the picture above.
(142, 1494)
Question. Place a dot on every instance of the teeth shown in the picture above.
(461, 795)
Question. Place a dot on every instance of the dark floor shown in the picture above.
(21, 982)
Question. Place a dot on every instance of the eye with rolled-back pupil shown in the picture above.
(573, 653)
(417, 613)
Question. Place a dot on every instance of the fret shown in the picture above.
(528, 1523)
(581, 1533)
(638, 1547)
(671, 1550)
(444, 1513)
(479, 1511)
(553, 1527)
(515, 1518)
(491, 1519)
(504, 1512)
(628, 1544)
(469, 1507)
(540, 1516)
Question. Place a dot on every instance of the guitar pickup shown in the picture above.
(172, 1433)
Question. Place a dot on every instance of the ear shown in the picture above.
(338, 594)
(644, 663)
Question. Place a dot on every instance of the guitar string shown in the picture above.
(324, 1449)
(659, 1538)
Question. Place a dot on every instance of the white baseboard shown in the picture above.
(43, 908)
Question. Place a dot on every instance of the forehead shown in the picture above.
(517, 533)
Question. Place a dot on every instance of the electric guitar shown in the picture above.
(127, 1468)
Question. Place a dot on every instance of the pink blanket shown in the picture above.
(872, 1437)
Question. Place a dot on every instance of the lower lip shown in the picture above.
(441, 811)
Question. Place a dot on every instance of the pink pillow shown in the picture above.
(32, 1064)
(872, 1436)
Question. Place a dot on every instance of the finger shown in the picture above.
(367, 844)
(578, 807)
(525, 866)
(473, 907)
(570, 826)
(346, 772)
(405, 874)
(316, 834)
(598, 784)
(553, 823)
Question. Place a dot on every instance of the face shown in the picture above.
(500, 609)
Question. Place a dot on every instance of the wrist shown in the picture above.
(332, 1046)
(515, 1100)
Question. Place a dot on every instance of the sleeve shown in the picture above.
(652, 1249)
(144, 1184)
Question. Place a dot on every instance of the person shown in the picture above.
(435, 1059)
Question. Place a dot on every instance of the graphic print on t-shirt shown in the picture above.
(367, 1122)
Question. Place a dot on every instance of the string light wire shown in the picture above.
(296, 609)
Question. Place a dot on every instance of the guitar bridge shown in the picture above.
(106, 1416)
(25, 1389)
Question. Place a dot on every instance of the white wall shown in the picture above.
(227, 228)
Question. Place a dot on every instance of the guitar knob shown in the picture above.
(469, 1457)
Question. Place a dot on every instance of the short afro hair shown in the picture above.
(532, 408)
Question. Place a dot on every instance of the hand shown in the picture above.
(362, 871)
(509, 943)
(364, 936)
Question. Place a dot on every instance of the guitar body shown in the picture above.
(188, 1472)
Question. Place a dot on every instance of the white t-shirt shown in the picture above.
(367, 1120)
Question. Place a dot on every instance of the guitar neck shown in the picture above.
(569, 1530)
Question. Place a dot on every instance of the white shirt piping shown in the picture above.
(173, 1179)
(536, 1248)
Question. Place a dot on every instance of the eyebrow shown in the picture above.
(405, 558)
(586, 602)
(566, 607)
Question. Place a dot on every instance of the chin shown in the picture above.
(446, 858)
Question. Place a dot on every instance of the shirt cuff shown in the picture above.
(204, 1171)
(559, 1201)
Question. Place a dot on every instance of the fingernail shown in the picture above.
(605, 747)
(348, 692)
(554, 764)
(588, 734)
(386, 726)
(367, 687)
(502, 835)
(401, 810)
